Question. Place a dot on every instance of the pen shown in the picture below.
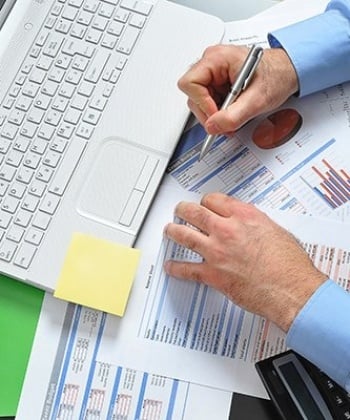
(242, 81)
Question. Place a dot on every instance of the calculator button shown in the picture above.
(339, 400)
(346, 414)
(330, 385)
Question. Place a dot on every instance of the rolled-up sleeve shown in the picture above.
(319, 47)
(321, 332)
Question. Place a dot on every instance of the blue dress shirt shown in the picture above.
(319, 49)
(321, 332)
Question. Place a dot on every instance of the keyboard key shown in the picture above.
(24, 175)
(86, 88)
(128, 40)
(30, 203)
(53, 44)
(10, 204)
(49, 203)
(23, 218)
(5, 219)
(17, 190)
(21, 144)
(14, 158)
(97, 65)
(15, 234)
(24, 103)
(7, 250)
(34, 236)
(106, 10)
(72, 116)
(9, 131)
(35, 115)
(41, 220)
(91, 116)
(7, 173)
(85, 130)
(37, 188)
(84, 18)
(4, 145)
(25, 255)
(51, 159)
(67, 167)
(16, 117)
(46, 131)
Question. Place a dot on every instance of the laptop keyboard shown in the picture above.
(58, 94)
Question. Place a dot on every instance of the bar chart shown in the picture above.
(330, 181)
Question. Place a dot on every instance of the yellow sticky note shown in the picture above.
(97, 273)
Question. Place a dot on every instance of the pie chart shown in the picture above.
(277, 128)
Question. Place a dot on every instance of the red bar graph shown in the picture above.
(331, 182)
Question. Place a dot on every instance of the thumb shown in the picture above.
(235, 116)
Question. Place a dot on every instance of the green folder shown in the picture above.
(20, 306)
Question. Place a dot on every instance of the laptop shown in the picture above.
(90, 115)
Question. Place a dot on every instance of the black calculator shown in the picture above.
(300, 390)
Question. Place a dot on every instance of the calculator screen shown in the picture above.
(301, 392)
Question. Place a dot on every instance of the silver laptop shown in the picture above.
(90, 115)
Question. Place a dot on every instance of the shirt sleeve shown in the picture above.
(321, 332)
(319, 47)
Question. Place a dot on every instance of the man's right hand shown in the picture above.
(208, 81)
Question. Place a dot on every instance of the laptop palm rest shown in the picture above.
(116, 184)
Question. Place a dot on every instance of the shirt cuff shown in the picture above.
(321, 332)
(319, 49)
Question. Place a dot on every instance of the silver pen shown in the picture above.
(242, 81)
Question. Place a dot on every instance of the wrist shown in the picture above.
(283, 66)
(291, 300)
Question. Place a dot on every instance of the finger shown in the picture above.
(199, 114)
(219, 203)
(188, 237)
(236, 115)
(203, 100)
(196, 85)
(186, 270)
(226, 206)
(196, 215)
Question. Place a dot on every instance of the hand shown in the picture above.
(209, 80)
(249, 258)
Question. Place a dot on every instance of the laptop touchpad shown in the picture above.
(116, 183)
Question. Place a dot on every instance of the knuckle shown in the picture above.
(218, 254)
(210, 50)
(192, 272)
(182, 83)
(189, 241)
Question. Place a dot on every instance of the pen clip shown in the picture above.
(252, 70)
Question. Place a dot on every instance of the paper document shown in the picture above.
(71, 381)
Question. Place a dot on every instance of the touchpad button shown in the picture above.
(111, 180)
